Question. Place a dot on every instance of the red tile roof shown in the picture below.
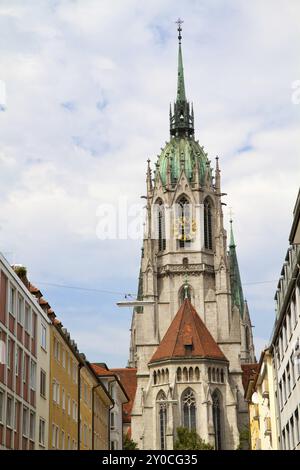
(33, 289)
(102, 371)
(187, 336)
(129, 382)
(249, 373)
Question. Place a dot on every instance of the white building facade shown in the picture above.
(285, 342)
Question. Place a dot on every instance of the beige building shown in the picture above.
(260, 394)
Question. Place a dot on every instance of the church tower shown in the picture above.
(193, 332)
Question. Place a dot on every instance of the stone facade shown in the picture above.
(185, 254)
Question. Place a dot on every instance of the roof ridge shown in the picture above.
(172, 344)
(181, 308)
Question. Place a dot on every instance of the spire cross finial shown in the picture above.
(230, 214)
(179, 22)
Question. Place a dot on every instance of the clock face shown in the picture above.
(185, 228)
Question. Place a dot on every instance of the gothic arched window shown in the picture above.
(185, 374)
(185, 291)
(154, 378)
(189, 409)
(179, 375)
(207, 224)
(197, 374)
(247, 338)
(216, 399)
(191, 374)
(161, 225)
(184, 222)
(162, 419)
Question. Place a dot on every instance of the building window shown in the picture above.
(24, 368)
(297, 426)
(112, 420)
(63, 399)
(64, 358)
(280, 395)
(56, 349)
(43, 336)
(43, 383)
(20, 310)
(56, 392)
(63, 440)
(283, 440)
(189, 409)
(216, 404)
(42, 427)
(207, 225)
(17, 360)
(32, 426)
(69, 405)
(27, 318)
(1, 405)
(12, 301)
(8, 358)
(184, 222)
(9, 412)
(284, 393)
(33, 375)
(55, 436)
(161, 226)
(162, 413)
(292, 433)
(185, 292)
(25, 422)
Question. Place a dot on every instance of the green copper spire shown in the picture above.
(231, 242)
(237, 295)
(180, 83)
(181, 118)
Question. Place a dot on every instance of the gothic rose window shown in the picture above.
(189, 409)
(207, 225)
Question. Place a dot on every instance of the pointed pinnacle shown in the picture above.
(232, 242)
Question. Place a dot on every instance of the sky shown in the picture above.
(85, 88)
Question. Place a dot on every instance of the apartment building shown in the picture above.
(285, 342)
(113, 384)
(79, 402)
(24, 362)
